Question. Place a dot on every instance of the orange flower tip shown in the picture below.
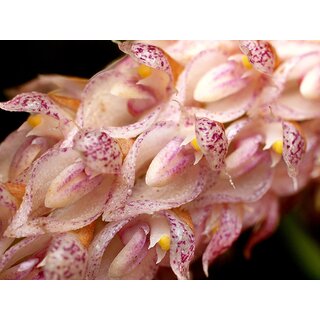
(184, 216)
(125, 145)
(68, 102)
(144, 71)
(246, 63)
(195, 144)
(16, 189)
(86, 233)
(34, 120)
(214, 230)
(164, 242)
(277, 147)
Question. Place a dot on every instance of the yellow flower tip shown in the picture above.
(144, 71)
(277, 147)
(195, 144)
(245, 61)
(34, 120)
(214, 229)
(164, 242)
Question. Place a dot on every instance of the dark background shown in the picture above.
(24, 60)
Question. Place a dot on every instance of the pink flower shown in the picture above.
(162, 158)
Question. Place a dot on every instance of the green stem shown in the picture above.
(305, 250)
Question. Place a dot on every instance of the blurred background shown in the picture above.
(291, 253)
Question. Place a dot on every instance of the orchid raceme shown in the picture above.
(163, 158)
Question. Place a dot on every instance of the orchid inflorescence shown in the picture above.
(162, 158)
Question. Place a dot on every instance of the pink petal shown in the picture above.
(145, 199)
(282, 184)
(294, 146)
(32, 148)
(149, 55)
(229, 230)
(213, 142)
(287, 49)
(221, 82)
(22, 249)
(236, 105)
(44, 170)
(250, 186)
(8, 149)
(197, 67)
(66, 258)
(45, 83)
(288, 107)
(267, 227)
(170, 162)
(235, 127)
(260, 54)
(100, 109)
(131, 255)
(146, 269)
(99, 151)
(19, 271)
(310, 85)
(70, 185)
(182, 245)
(99, 245)
(35, 102)
(134, 129)
(244, 157)
(142, 152)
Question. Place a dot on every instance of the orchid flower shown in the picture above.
(164, 157)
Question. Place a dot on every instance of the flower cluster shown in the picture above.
(163, 157)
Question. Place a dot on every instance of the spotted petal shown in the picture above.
(260, 54)
(228, 231)
(66, 258)
(182, 245)
(213, 142)
(35, 102)
(99, 151)
(294, 146)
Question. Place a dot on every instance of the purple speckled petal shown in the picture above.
(260, 53)
(147, 54)
(213, 142)
(35, 102)
(66, 258)
(99, 245)
(267, 227)
(229, 229)
(134, 129)
(170, 162)
(146, 199)
(99, 151)
(282, 184)
(182, 245)
(294, 146)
